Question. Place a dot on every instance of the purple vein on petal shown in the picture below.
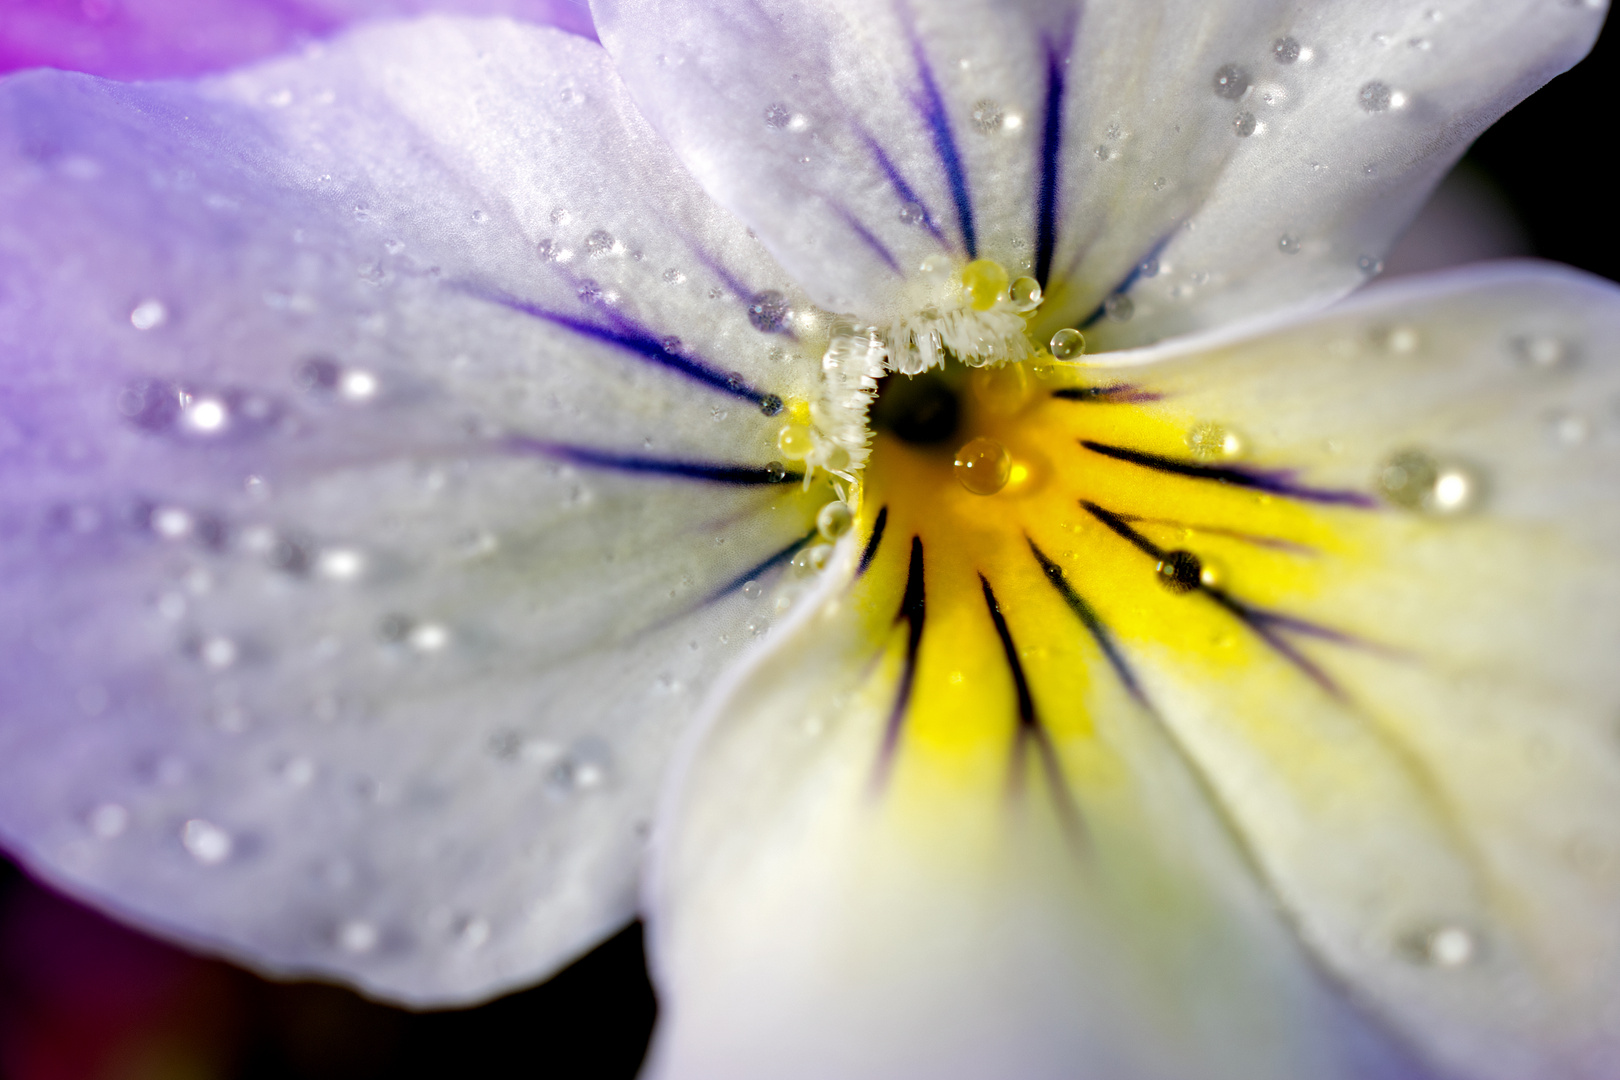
(1130, 279)
(1057, 60)
(866, 236)
(907, 193)
(715, 472)
(627, 335)
(766, 565)
(931, 105)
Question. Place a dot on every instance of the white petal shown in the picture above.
(1082, 143)
(340, 654)
(1387, 707)
(813, 917)
(1445, 834)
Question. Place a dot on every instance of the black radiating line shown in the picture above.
(913, 609)
(1030, 729)
(1276, 482)
(1261, 622)
(1047, 193)
(1094, 625)
(877, 538)
(1117, 394)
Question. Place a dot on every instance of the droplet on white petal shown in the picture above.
(218, 652)
(205, 415)
(358, 385)
(208, 843)
(108, 821)
(340, 564)
(148, 315)
(357, 936)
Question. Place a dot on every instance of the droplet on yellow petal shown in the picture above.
(983, 466)
(1211, 442)
(1001, 390)
(984, 281)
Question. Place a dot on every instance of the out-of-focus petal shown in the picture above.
(155, 39)
(382, 473)
(1198, 162)
(1337, 600)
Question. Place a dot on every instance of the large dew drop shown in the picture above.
(983, 466)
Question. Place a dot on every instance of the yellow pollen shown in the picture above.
(985, 282)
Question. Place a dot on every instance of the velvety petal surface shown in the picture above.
(1199, 162)
(154, 39)
(1262, 725)
(383, 472)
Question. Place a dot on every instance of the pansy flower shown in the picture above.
(893, 459)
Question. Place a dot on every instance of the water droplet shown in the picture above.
(1402, 340)
(770, 404)
(753, 590)
(551, 251)
(1025, 294)
(768, 311)
(1370, 265)
(1180, 571)
(794, 441)
(777, 116)
(1244, 124)
(815, 557)
(1068, 344)
(1375, 97)
(775, 472)
(1538, 350)
(1285, 50)
(984, 281)
(428, 637)
(1568, 428)
(1119, 307)
(358, 385)
(673, 276)
(1288, 244)
(987, 116)
(298, 772)
(472, 932)
(218, 652)
(982, 466)
(205, 415)
(913, 214)
(1212, 442)
(1416, 481)
(1231, 82)
(599, 242)
(108, 821)
(588, 291)
(340, 564)
(148, 315)
(208, 843)
(834, 519)
(171, 522)
(357, 936)
(584, 767)
(1442, 947)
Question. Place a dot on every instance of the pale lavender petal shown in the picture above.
(383, 474)
(153, 39)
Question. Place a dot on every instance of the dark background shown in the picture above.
(84, 999)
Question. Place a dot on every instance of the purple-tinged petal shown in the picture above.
(154, 39)
(360, 558)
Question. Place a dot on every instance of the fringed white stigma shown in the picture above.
(914, 343)
(851, 368)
